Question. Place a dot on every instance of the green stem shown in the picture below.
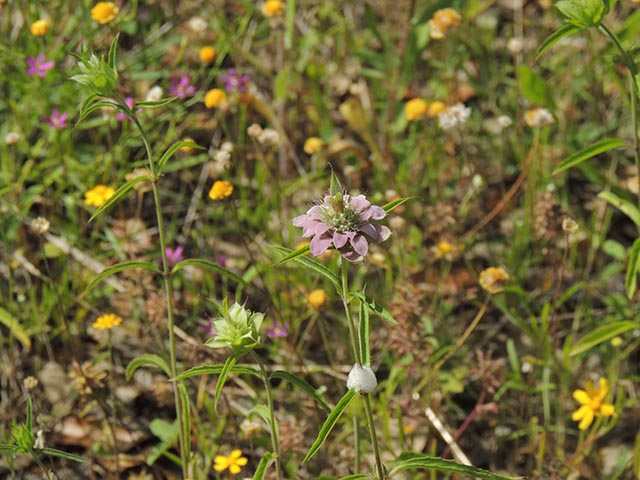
(355, 343)
(272, 418)
(374, 437)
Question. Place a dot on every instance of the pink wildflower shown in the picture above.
(181, 87)
(130, 103)
(39, 66)
(233, 81)
(174, 255)
(57, 120)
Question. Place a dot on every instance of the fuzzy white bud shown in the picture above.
(362, 379)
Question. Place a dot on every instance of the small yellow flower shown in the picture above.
(493, 279)
(104, 12)
(98, 195)
(221, 189)
(208, 54)
(214, 98)
(442, 21)
(313, 145)
(590, 400)
(443, 248)
(318, 298)
(415, 109)
(234, 462)
(40, 27)
(186, 149)
(272, 8)
(107, 322)
(436, 108)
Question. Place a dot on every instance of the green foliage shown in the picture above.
(583, 13)
(588, 152)
(413, 461)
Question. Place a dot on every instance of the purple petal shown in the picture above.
(47, 65)
(350, 255)
(360, 245)
(340, 239)
(320, 228)
(300, 220)
(383, 233)
(369, 230)
(377, 213)
(319, 245)
(360, 202)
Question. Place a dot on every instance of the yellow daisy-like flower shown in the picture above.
(40, 27)
(436, 108)
(591, 403)
(221, 189)
(443, 248)
(214, 98)
(312, 145)
(234, 462)
(207, 54)
(318, 299)
(107, 322)
(98, 195)
(272, 8)
(415, 109)
(442, 21)
(104, 12)
(493, 279)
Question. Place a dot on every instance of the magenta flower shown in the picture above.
(344, 222)
(130, 103)
(181, 87)
(57, 120)
(277, 330)
(174, 256)
(39, 66)
(233, 82)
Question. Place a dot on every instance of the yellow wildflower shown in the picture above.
(318, 298)
(107, 322)
(443, 248)
(272, 8)
(214, 98)
(221, 189)
(208, 54)
(591, 405)
(40, 27)
(104, 12)
(312, 145)
(493, 279)
(415, 108)
(186, 149)
(436, 108)
(98, 195)
(442, 21)
(234, 462)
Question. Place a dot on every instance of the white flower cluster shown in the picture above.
(454, 116)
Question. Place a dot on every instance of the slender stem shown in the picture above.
(272, 418)
(353, 337)
(374, 437)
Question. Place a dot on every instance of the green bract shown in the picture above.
(237, 329)
(97, 75)
(584, 13)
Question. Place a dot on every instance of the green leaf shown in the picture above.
(583, 13)
(120, 267)
(533, 87)
(330, 422)
(215, 370)
(119, 193)
(169, 152)
(586, 153)
(263, 466)
(113, 49)
(357, 476)
(158, 103)
(167, 432)
(144, 360)
(374, 307)
(54, 452)
(631, 278)
(224, 374)
(294, 254)
(365, 328)
(209, 266)
(416, 461)
(625, 206)
(335, 186)
(263, 412)
(555, 37)
(312, 265)
(88, 110)
(302, 385)
(396, 203)
(602, 334)
(15, 328)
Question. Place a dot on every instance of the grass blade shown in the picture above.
(120, 267)
(144, 360)
(15, 328)
(631, 278)
(555, 37)
(412, 461)
(625, 206)
(600, 335)
(586, 153)
(302, 385)
(209, 266)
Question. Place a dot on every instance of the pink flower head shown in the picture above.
(233, 81)
(174, 255)
(39, 66)
(344, 223)
(130, 103)
(57, 120)
(278, 330)
(181, 87)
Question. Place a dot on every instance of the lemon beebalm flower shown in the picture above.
(272, 8)
(234, 462)
(318, 299)
(104, 12)
(493, 279)
(98, 195)
(207, 54)
(40, 27)
(107, 322)
(591, 403)
(220, 189)
(312, 145)
(415, 109)
(214, 98)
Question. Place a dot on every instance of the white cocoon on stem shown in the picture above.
(362, 379)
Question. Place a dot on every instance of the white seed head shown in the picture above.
(362, 379)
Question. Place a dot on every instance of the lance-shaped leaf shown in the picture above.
(214, 267)
(263, 466)
(119, 193)
(312, 265)
(602, 334)
(396, 203)
(302, 385)
(631, 278)
(414, 461)
(374, 307)
(15, 328)
(625, 206)
(589, 152)
(120, 267)
(555, 37)
(215, 370)
(144, 360)
(169, 152)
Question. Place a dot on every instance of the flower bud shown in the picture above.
(362, 379)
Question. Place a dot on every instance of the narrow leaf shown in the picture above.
(586, 153)
(158, 103)
(54, 452)
(413, 461)
(263, 412)
(396, 203)
(294, 254)
(113, 50)
(364, 326)
(600, 335)
(169, 152)
(302, 385)
(263, 466)
(374, 307)
(631, 278)
(88, 110)
(119, 268)
(209, 266)
(145, 360)
(555, 37)
(625, 206)
(119, 193)
(331, 421)
(313, 265)
(224, 374)
(15, 328)
(215, 370)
